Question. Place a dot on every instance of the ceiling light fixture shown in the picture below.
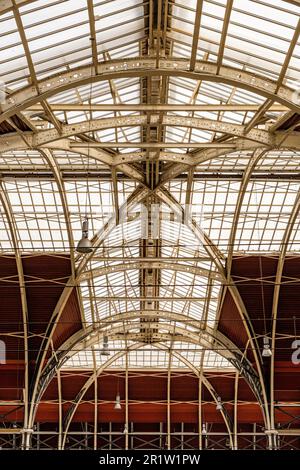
(118, 403)
(84, 245)
(105, 351)
(219, 406)
(266, 352)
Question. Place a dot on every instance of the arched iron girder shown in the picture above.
(213, 253)
(13, 230)
(137, 196)
(14, 239)
(214, 394)
(110, 70)
(15, 142)
(280, 266)
(196, 270)
(71, 412)
(257, 155)
(47, 154)
(267, 138)
(113, 326)
(121, 160)
(218, 260)
(44, 138)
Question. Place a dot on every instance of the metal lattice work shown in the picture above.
(173, 126)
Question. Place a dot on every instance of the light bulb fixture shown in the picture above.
(266, 352)
(105, 351)
(204, 430)
(118, 403)
(125, 431)
(85, 245)
(219, 406)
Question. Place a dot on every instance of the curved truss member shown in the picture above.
(15, 142)
(14, 239)
(44, 137)
(111, 70)
(136, 197)
(71, 412)
(131, 265)
(123, 161)
(280, 265)
(244, 137)
(244, 79)
(114, 327)
(212, 391)
(256, 157)
(213, 253)
(217, 260)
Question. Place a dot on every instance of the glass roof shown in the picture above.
(150, 356)
(152, 73)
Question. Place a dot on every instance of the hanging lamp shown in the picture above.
(85, 245)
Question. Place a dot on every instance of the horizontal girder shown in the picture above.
(149, 264)
(50, 135)
(111, 70)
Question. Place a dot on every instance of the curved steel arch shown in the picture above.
(62, 193)
(47, 154)
(70, 414)
(283, 250)
(207, 338)
(137, 196)
(121, 161)
(13, 230)
(67, 130)
(72, 410)
(110, 70)
(102, 271)
(14, 238)
(218, 260)
(257, 155)
(212, 391)
(204, 333)
(15, 142)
